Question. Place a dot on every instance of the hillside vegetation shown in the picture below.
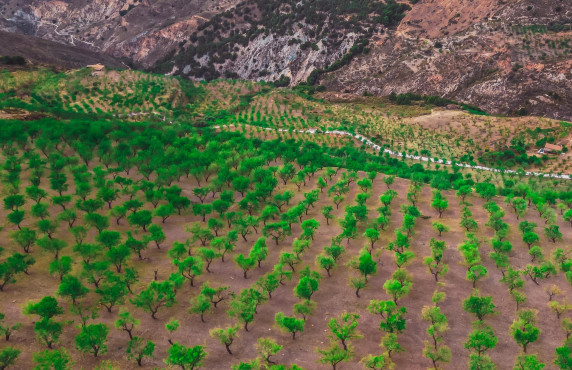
(151, 222)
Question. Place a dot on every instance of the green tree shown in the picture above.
(327, 213)
(190, 268)
(57, 359)
(326, 262)
(486, 190)
(439, 203)
(200, 304)
(243, 308)
(16, 217)
(437, 355)
(245, 263)
(8, 357)
(187, 358)
(6, 329)
(528, 362)
(164, 211)
(112, 292)
(25, 238)
(225, 336)
(289, 323)
(553, 233)
(483, 362)
(481, 338)
(305, 308)
(475, 273)
(118, 256)
(61, 267)
(172, 326)
(138, 348)
(308, 284)
(140, 219)
(372, 235)
(399, 285)
(51, 245)
(268, 283)
(393, 317)
(155, 296)
(334, 354)
(72, 287)
(126, 322)
(388, 181)
(309, 227)
(344, 328)
(478, 305)
(440, 228)
(92, 339)
(277, 231)
(438, 323)
(267, 347)
(524, 329)
(564, 355)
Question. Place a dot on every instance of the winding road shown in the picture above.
(370, 143)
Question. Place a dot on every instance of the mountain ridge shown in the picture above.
(509, 57)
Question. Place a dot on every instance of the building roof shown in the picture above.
(553, 147)
(97, 67)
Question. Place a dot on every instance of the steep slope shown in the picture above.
(514, 57)
(140, 30)
(42, 51)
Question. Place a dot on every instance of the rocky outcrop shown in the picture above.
(514, 60)
(139, 30)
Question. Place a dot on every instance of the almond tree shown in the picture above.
(333, 355)
(200, 304)
(289, 323)
(92, 339)
(138, 348)
(126, 322)
(524, 329)
(8, 357)
(225, 336)
(185, 357)
(155, 296)
(6, 329)
(481, 338)
(478, 305)
(172, 326)
(267, 347)
(344, 329)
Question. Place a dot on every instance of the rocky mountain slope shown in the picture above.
(511, 57)
(40, 51)
(506, 56)
(141, 31)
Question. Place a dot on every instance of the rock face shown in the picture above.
(505, 56)
(515, 57)
(142, 31)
